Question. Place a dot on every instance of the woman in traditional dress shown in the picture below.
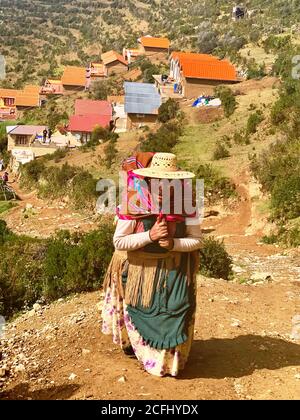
(150, 286)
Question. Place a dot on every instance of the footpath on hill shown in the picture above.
(246, 343)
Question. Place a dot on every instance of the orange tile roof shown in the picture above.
(29, 96)
(8, 93)
(193, 56)
(74, 76)
(150, 41)
(209, 70)
(111, 56)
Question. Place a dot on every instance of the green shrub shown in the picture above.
(31, 269)
(32, 171)
(168, 110)
(241, 138)
(253, 122)
(214, 259)
(216, 187)
(220, 152)
(163, 140)
(228, 99)
(84, 194)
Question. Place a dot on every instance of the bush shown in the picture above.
(214, 259)
(216, 187)
(55, 183)
(228, 99)
(32, 171)
(163, 140)
(253, 121)
(220, 152)
(207, 41)
(32, 269)
(168, 110)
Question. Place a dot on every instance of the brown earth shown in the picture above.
(243, 347)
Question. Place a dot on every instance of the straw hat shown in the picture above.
(164, 166)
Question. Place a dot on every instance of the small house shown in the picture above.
(114, 63)
(198, 74)
(131, 54)
(88, 115)
(25, 142)
(8, 107)
(13, 100)
(82, 126)
(52, 87)
(154, 47)
(142, 101)
(74, 79)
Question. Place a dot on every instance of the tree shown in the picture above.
(227, 98)
(168, 110)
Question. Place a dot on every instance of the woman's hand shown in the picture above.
(159, 230)
(167, 243)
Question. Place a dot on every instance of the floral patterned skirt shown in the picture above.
(116, 322)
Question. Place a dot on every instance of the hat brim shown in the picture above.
(154, 173)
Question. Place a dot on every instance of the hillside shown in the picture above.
(38, 37)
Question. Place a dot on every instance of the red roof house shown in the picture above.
(82, 126)
(88, 107)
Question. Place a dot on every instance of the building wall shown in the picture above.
(73, 89)
(11, 141)
(138, 120)
(116, 68)
(155, 53)
(193, 88)
(37, 151)
(84, 137)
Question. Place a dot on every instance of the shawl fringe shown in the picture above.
(144, 271)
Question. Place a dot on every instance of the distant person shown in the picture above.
(50, 132)
(5, 178)
(1, 164)
(45, 133)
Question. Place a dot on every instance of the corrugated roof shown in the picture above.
(87, 123)
(111, 56)
(150, 41)
(74, 76)
(28, 130)
(141, 98)
(88, 106)
(209, 70)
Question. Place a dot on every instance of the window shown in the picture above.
(21, 140)
(9, 101)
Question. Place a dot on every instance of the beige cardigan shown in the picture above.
(126, 240)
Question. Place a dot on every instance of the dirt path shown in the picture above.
(35, 217)
(243, 349)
